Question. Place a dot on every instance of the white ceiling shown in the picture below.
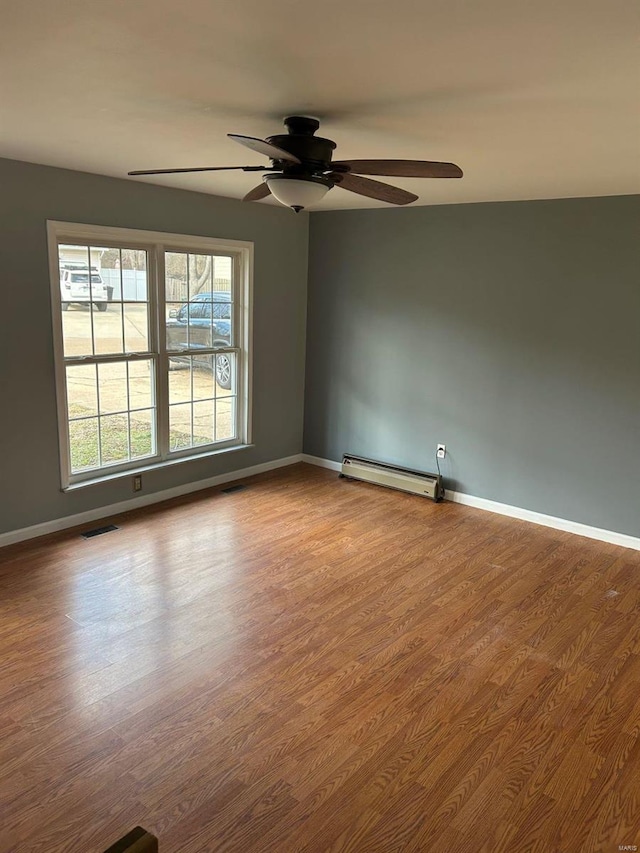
(532, 98)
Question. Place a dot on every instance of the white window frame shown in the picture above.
(155, 243)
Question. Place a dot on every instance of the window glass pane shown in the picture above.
(223, 274)
(180, 380)
(82, 393)
(107, 329)
(203, 384)
(142, 436)
(200, 275)
(83, 444)
(225, 419)
(136, 327)
(177, 326)
(101, 274)
(173, 311)
(191, 378)
(187, 275)
(221, 310)
(225, 374)
(112, 385)
(76, 329)
(203, 422)
(223, 298)
(141, 384)
(206, 282)
(198, 326)
(106, 262)
(124, 272)
(74, 258)
(81, 282)
(192, 327)
(133, 269)
(114, 438)
(222, 333)
(180, 426)
(175, 265)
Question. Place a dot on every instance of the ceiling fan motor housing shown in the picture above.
(314, 151)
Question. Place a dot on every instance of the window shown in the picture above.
(152, 335)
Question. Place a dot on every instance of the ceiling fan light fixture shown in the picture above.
(298, 192)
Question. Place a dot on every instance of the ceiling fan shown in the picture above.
(302, 171)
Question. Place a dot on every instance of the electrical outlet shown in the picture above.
(441, 451)
(137, 483)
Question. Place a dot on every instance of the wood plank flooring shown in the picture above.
(313, 664)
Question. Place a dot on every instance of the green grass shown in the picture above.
(83, 436)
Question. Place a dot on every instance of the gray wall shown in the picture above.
(508, 331)
(29, 195)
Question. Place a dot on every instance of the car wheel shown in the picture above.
(102, 306)
(223, 371)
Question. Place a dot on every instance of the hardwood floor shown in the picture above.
(313, 664)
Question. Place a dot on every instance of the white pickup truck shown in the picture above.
(75, 287)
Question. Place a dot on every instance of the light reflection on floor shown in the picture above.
(134, 610)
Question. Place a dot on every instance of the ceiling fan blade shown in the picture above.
(372, 189)
(401, 168)
(199, 169)
(261, 191)
(261, 146)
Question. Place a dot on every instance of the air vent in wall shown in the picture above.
(230, 489)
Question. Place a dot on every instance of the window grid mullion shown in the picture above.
(158, 308)
(237, 295)
(107, 358)
(122, 332)
(203, 351)
(99, 418)
(191, 386)
(93, 336)
(128, 412)
(188, 301)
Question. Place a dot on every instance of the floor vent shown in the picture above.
(98, 531)
(230, 489)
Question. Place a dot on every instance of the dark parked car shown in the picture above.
(203, 323)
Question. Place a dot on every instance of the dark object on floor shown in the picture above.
(89, 534)
(136, 841)
(231, 489)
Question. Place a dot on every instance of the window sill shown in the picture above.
(154, 466)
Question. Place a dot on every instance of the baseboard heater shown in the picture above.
(392, 476)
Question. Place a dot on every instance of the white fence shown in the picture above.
(133, 285)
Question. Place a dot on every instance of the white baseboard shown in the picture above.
(565, 524)
(57, 524)
(576, 527)
(322, 463)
